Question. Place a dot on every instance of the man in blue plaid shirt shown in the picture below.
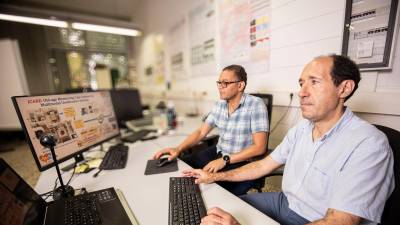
(242, 122)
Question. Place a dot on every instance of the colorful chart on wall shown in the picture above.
(245, 34)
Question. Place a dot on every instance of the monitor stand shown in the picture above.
(78, 158)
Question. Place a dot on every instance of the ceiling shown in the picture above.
(111, 9)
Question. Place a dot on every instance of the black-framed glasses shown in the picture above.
(225, 84)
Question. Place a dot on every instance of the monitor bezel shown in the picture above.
(31, 147)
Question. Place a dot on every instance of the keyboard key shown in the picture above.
(82, 209)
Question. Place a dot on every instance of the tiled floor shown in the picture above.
(21, 160)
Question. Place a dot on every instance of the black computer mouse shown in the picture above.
(162, 162)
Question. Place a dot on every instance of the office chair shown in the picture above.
(260, 182)
(390, 215)
(205, 143)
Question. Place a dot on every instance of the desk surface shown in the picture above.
(148, 195)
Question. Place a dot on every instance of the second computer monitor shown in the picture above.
(127, 104)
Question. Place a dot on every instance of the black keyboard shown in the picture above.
(85, 209)
(136, 135)
(115, 158)
(186, 205)
(82, 209)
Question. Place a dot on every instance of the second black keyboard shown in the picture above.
(186, 205)
(115, 158)
(135, 136)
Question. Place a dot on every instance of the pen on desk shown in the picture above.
(97, 173)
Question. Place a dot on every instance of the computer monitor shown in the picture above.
(79, 121)
(127, 104)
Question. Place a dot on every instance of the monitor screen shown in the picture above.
(78, 121)
(127, 104)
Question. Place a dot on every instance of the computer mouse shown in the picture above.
(162, 162)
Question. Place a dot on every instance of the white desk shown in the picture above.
(148, 195)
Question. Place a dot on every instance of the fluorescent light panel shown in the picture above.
(32, 20)
(106, 29)
(64, 24)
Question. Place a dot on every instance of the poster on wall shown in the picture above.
(368, 33)
(245, 34)
(176, 44)
(202, 28)
(153, 62)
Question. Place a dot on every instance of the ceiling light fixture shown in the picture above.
(106, 29)
(74, 25)
(32, 20)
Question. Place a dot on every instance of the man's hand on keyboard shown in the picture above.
(200, 175)
(172, 152)
(218, 216)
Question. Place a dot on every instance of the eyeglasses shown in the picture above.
(225, 84)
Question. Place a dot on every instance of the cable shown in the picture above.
(49, 193)
(284, 115)
(73, 173)
(97, 173)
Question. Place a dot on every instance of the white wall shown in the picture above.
(300, 30)
(12, 78)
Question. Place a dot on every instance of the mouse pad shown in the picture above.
(152, 168)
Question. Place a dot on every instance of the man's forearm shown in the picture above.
(250, 171)
(335, 217)
(190, 141)
(256, 149)
(248, 153)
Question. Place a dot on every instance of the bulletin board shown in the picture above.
(369, 31)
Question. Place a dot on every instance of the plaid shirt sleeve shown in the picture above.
(211, 117)
(259, 117)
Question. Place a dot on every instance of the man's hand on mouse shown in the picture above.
(172, 152)
(162, 162)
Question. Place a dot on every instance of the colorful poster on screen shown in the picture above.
(78, 121)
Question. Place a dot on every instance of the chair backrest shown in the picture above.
(391, 211)
(268, 100)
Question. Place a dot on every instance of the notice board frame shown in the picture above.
(371, 64)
